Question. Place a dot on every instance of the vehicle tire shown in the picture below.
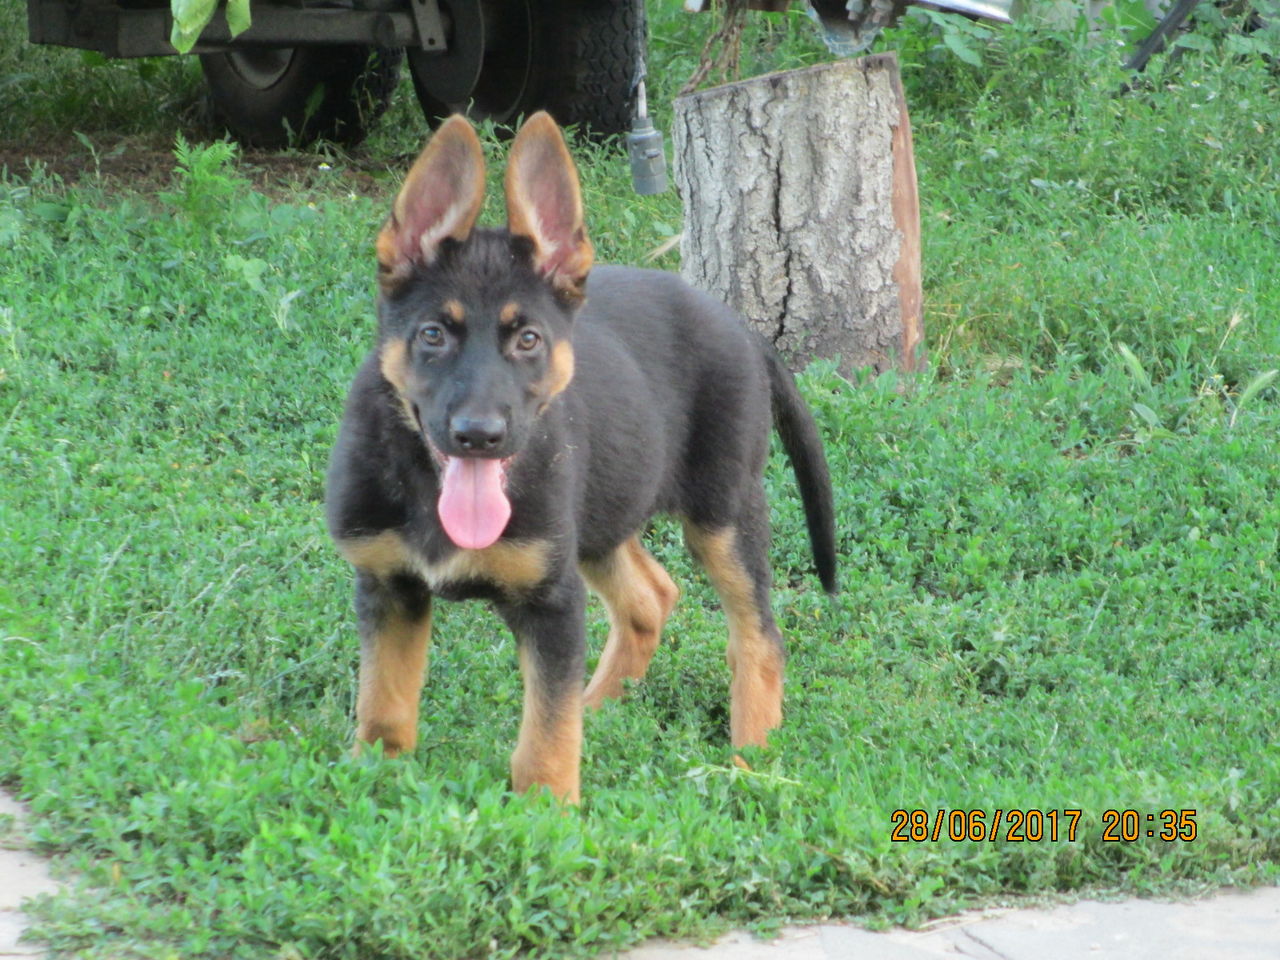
(280, 96)
(603, 43)
(507, 58)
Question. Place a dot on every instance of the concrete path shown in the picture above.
(22, 875)
(1228, 926)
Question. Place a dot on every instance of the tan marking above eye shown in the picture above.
(454, 311)
(509, 313)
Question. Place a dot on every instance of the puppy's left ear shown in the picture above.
(544, 203)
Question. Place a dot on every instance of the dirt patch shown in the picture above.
(138, 165)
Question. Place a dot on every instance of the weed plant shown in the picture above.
(1058, 550)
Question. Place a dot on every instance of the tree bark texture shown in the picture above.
(801, 211)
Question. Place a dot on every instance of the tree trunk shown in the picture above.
(801, 211)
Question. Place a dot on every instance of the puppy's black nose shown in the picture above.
(478, 434)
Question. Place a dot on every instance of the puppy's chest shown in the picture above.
(508, 568)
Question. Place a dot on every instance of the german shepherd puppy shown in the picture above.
(515, 427)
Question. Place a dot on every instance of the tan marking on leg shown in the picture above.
(549, 751)
(639, 596)
(755, 658)
(393, 668)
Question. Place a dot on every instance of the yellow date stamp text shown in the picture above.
(1035, 826)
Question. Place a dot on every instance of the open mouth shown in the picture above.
(473, 507)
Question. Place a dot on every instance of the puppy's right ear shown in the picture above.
(440, 199)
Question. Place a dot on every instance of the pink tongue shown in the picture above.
(473, 507)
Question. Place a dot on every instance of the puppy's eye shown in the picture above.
(432, 335)
(528, 339)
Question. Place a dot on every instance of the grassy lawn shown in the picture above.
(1059, 549)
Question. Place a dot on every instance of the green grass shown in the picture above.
(45, 90)
(1059, 558)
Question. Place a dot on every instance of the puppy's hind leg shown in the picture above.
(639, 595)
(735, 558)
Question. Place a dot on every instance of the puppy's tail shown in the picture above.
(799, 435)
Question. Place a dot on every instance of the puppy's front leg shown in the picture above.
(395, 630)
(552, 639)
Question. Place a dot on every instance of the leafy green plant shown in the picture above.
(190, 17)
(1130, 21)
(961, 36)
(207, 184)
(1249, 29)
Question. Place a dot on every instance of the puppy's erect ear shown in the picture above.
(544, 203)
(440, 199)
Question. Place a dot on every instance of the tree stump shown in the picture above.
(801, 211)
